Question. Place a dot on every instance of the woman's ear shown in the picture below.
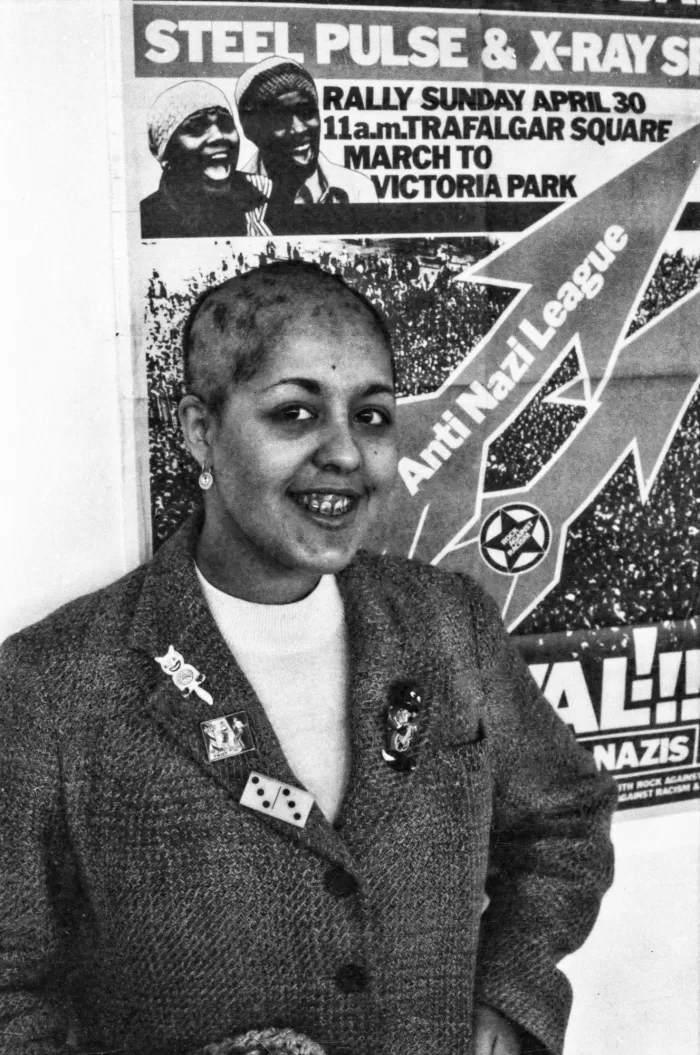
(197, 424)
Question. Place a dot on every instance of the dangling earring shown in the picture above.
(205, 479)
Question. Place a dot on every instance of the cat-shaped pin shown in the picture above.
(186, 677)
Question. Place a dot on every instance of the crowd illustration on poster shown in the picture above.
(518, 194)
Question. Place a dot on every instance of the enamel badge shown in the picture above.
(185, 677)
(402, 720)
(227, 736)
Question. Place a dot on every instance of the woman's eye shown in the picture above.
(196, 127)
(373, 416)
(295, 414)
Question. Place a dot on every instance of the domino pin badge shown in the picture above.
(283, 801)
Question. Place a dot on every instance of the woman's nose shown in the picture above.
(338, 450)
(297, 127)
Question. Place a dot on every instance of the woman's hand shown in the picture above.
(265, 1042)
(494, 1034)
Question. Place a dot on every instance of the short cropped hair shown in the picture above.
(232, 327)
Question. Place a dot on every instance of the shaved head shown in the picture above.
(235, 326)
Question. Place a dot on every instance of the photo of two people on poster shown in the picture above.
(203, 190)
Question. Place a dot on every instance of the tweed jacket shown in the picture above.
(145, 910)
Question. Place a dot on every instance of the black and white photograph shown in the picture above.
(350, 652)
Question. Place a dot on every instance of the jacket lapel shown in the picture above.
(172, 610)
(382, 656)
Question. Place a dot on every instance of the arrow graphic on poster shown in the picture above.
(580, 275)
(631, 414)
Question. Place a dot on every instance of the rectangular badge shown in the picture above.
(227, 736)
(283, 801)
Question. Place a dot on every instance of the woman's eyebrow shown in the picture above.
(379, 389)
(314, 388)
(302, 382)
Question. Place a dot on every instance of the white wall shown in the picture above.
(64, 513)
(70, 520)
(637, 979)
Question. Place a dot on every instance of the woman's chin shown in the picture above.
(330, 558)
(329, 542)
(331, 562)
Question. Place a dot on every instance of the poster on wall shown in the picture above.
(517, 188)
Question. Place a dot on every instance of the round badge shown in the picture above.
(515, 538)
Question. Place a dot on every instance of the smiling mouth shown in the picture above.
(301, 152)
(217, 166)
(327, 505)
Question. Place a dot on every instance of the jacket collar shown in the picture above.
(172, 610)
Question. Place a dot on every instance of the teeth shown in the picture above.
(327, 505)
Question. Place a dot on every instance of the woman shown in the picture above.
(193, 136)
(264, 780)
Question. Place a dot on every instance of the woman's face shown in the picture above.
(204, 148)
(303, 454)
(289, 134)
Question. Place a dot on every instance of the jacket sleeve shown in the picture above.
(551, 857)
(31, 935)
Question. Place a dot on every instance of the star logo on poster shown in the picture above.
(514, 538)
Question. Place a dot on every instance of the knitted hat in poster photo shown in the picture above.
(263, 83)
(175, 105)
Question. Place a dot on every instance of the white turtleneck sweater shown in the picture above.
(295, 657)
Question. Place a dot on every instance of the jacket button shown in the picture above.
(351, 978)
(340, 882)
